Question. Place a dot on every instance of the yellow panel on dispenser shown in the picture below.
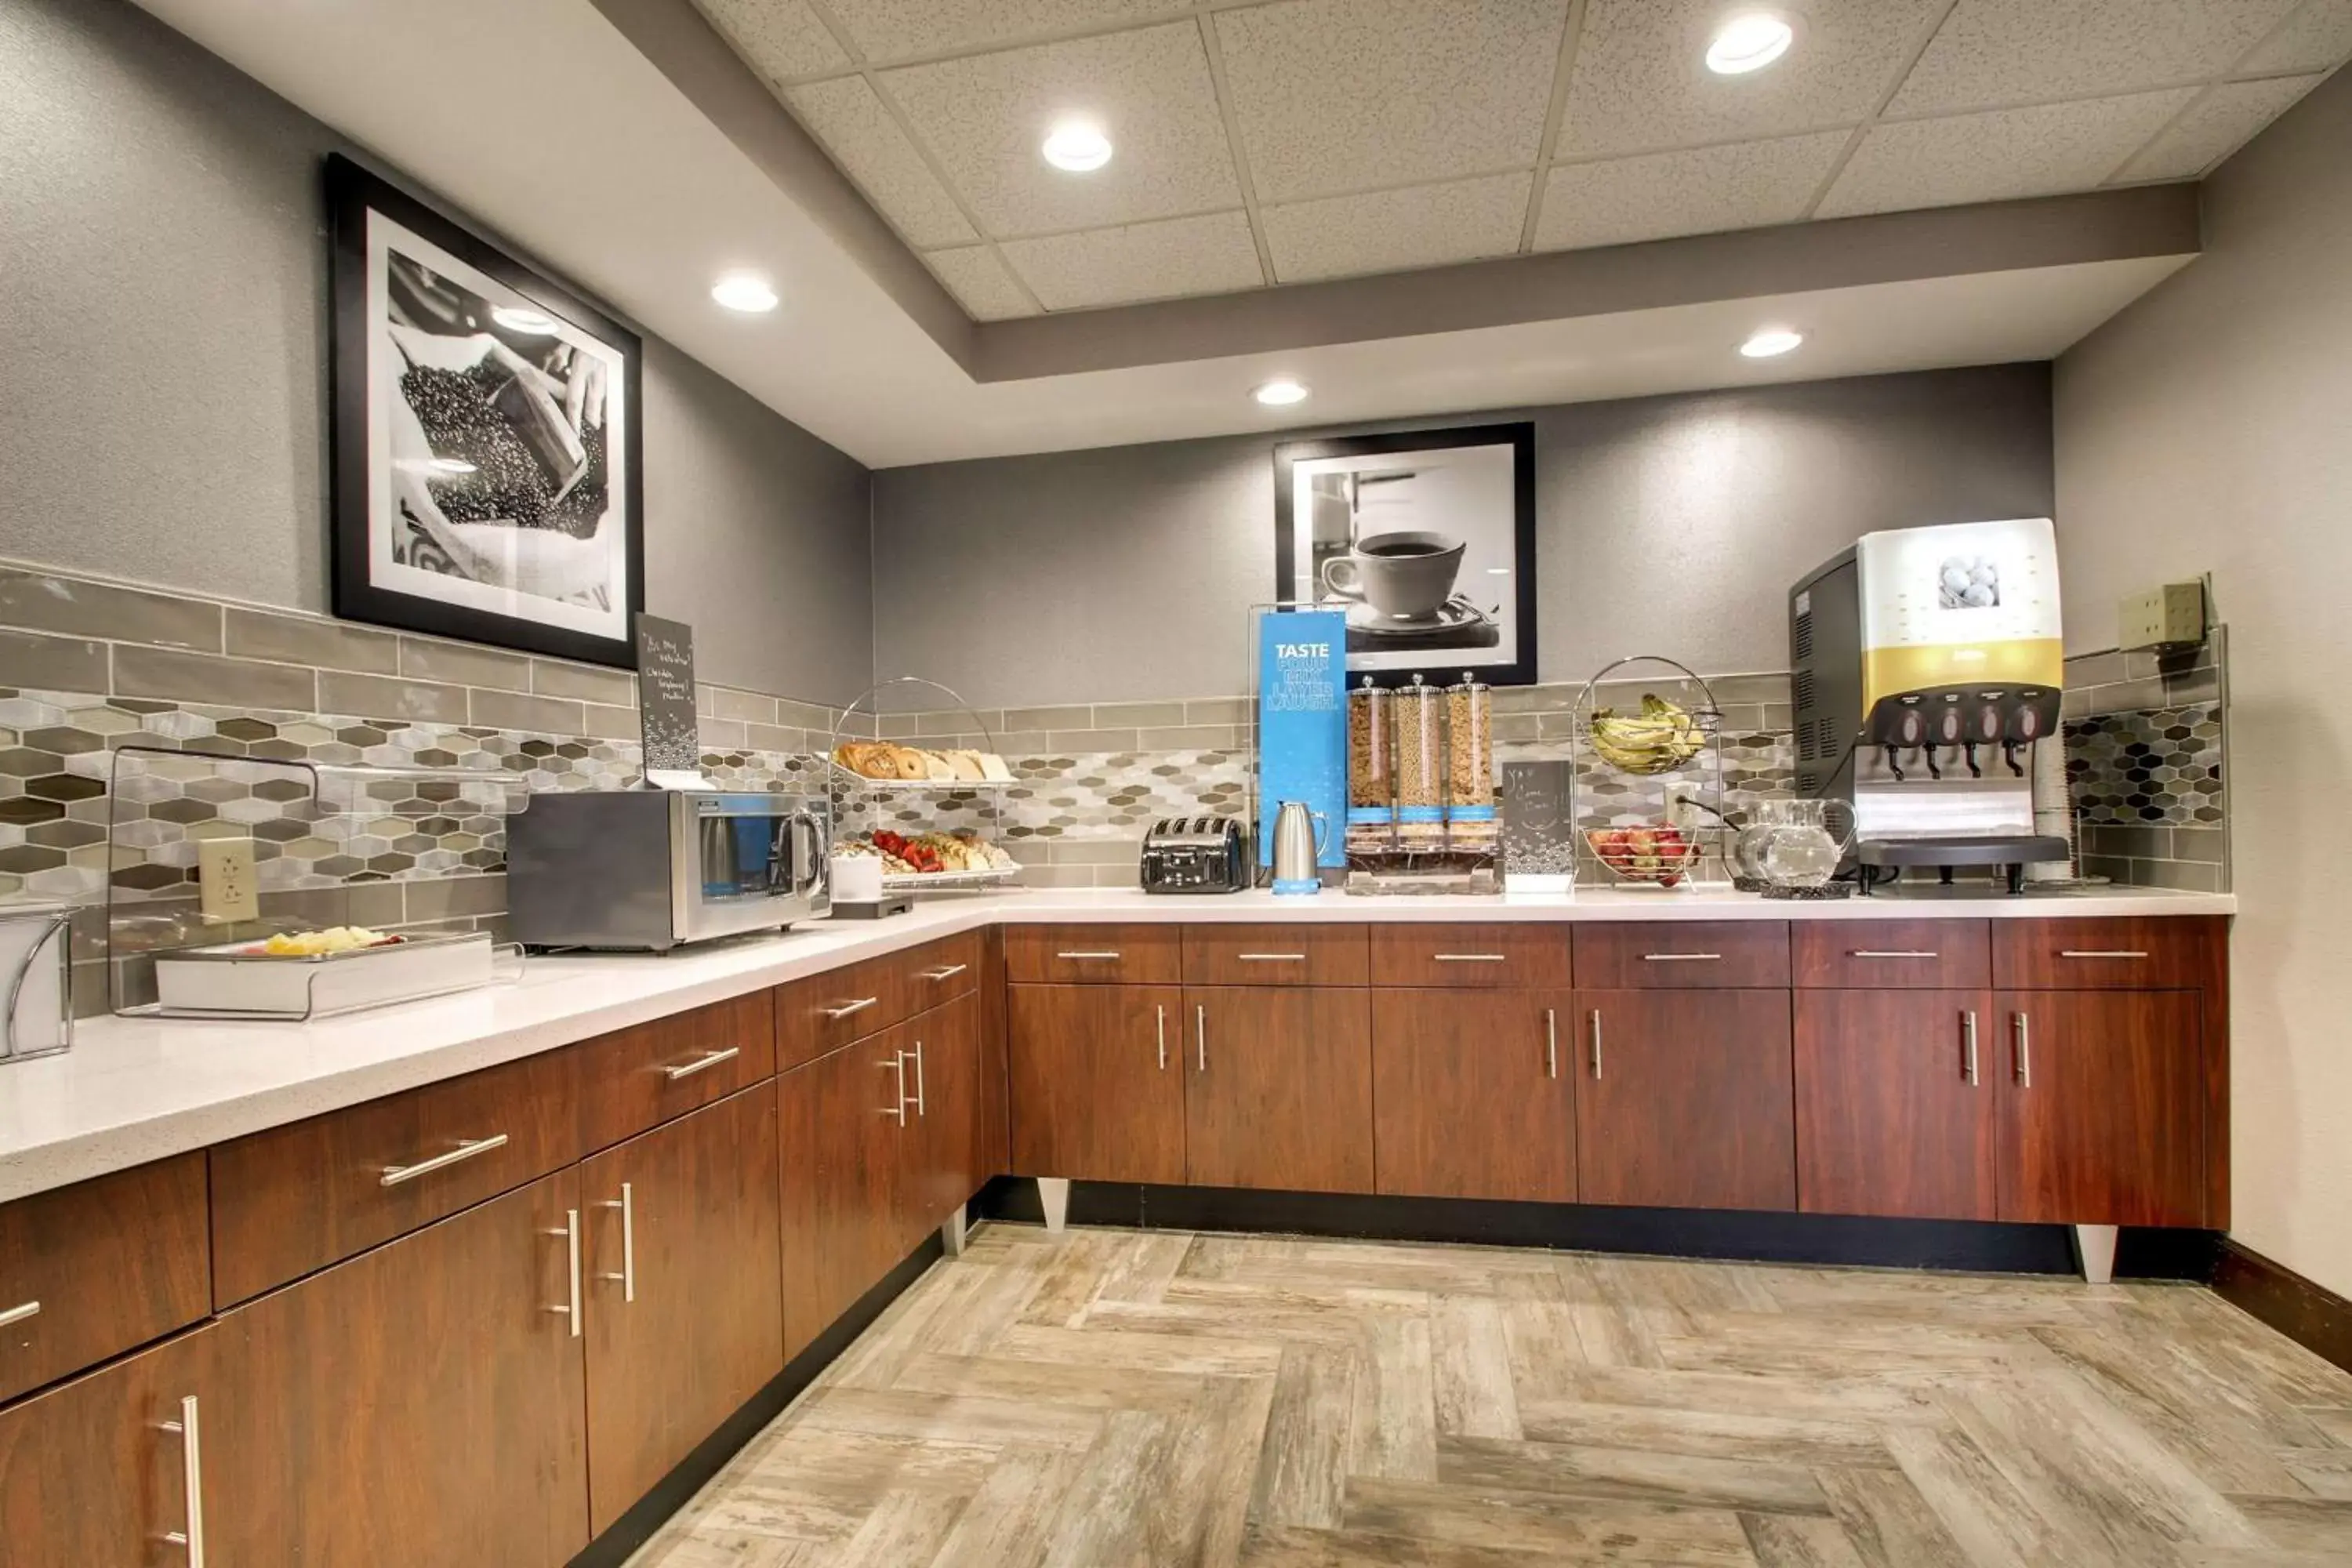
(2024, 661)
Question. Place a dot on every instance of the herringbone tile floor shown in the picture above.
(1118, 1399)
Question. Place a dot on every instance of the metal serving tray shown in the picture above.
(239, 980)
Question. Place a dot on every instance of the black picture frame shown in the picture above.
(362, 473)
(1446, 663)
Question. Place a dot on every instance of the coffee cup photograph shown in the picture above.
(1425, 538)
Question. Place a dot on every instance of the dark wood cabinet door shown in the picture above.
(90, 1476)
(1684, 1100)
(1896, 1093)
(943, 1134)
(1474, 1094)
(1279, 1090)
(840, 1123)
(2102, 1101)
(1097, 1081)
(421, 1402)
(684, 1313)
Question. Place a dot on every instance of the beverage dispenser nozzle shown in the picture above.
(1935, 769)
(1895, 762)
(1969, 749)
(2009, 755)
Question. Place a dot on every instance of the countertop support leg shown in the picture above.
(1053, 1197)
(2095, 1249)
(951, 1232)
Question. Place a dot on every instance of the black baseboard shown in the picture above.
(2311, 1315)
(1740, 1235)
(653, 1510)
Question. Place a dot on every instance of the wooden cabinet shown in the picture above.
(1097, 1081)
(299, 1197)
(1684, 1100)
(1093, 954)
(825, 1011)
(634, 1079)
(1896, 1103)
(2102, 1101)
(1887, 955)
(2132, 953)
(1470, 955)
(839, 1122)
(1474, 1094)
(421, 1402)
(1293, 952)
(89, 1271)
(98, 1472)
(683, 1321)
(1671, 954)
(1279, 1087)
(941, 1138)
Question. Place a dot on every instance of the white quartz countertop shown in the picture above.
(133, 1090)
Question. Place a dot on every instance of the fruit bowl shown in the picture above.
(1659, 739)
(1654, 854)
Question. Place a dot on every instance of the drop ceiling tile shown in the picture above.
(2317, 38)
(981, 284)
(1993, 52)
(2216, 126)
(1641, 82)
(779, 38)
(1393, 231)
(984, 119)
(1339, 95)
(845, 115)
(887, 30)
(1703, 190)
(1210, 254)
(1996, 156)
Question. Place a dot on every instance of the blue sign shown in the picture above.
(1302, 722)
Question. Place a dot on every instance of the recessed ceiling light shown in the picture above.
(745, 292)
(1771, 341)
(1281, 391)
(1749, 42)
(1078, 146)
(515, 319)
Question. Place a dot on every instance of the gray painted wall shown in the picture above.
(2204, 428)
(1667, 524)
(163, 386)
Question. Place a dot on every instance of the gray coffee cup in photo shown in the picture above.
(1409, 577)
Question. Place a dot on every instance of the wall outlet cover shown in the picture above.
(226, 881)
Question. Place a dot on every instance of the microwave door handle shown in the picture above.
(805, 882)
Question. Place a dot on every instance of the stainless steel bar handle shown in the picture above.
(1271, 957)
(2099, 952)
(1201, 1026)
(1160, 1030)
(1082, 956)
(920, 1108)
(1596, 1045)
(945, 972)
(1969, 1034)
(898, 1108)
(570, 1234)
(465, 1149)
(1894, 952)
(192, 1480)
(1681, 957)
(1470, 957)
(702, 1063)
(14, 1315)
(627, 1277)
(2024, 1050)
(847, 1008)
(1552, 1043)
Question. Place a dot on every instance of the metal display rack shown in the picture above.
(1674, 780)
(845, 781)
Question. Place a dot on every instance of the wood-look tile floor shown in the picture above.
(1110, 1398)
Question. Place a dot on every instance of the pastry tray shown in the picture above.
(864, 782)
(946, 881)
(239, 980)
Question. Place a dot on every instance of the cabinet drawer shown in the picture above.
(825, 1011)
(296, 1198)
(1891, 955)
(1651, 955)
(943, 971)
(633, 1080)
(2109, 953)
(1290, 954)
(1463, 954)
(90, 1270)
(1094, 954)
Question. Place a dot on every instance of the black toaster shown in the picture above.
(1196, 854)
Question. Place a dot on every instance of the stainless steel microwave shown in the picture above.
(648, 869)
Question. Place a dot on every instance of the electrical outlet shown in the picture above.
(225, 875)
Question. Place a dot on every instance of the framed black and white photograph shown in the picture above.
(487, 441)
(1426, 538)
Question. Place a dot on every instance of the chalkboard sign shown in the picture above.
(666, 697)
(1539, 827)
